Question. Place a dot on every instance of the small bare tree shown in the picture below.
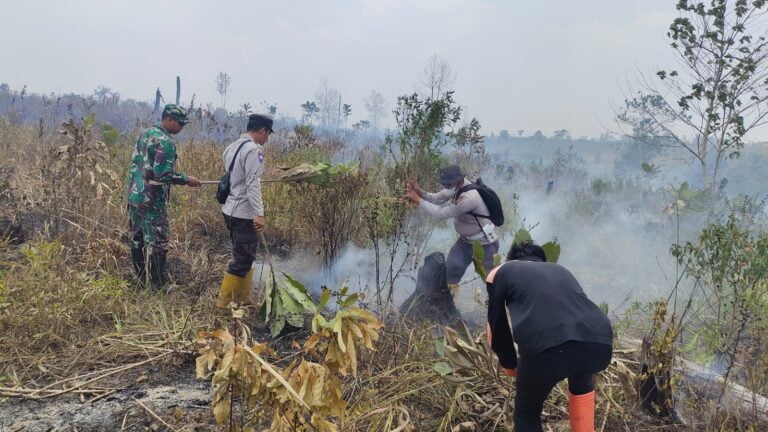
(376, 107)
(437, 78)
(223, 80)
(328, 99)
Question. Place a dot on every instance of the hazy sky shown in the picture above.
(520, 64)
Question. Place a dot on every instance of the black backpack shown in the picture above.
(222, 192)
(490, 199)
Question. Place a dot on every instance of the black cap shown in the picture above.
(258, 121)
(450, 175)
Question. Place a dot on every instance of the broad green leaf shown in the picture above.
(277, 325)
(324, 297)
(263, 315)
(299, 293)
(266, 307)
(478, 255)
(442, 368)
(440, 347)
(522, 236)
(290, 304)
(295, 319)
(465, 334)
(349, 300)
(551, 251)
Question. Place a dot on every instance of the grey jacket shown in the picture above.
(458, 208)
(244, 199)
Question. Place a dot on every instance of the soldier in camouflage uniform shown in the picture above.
(151, 174)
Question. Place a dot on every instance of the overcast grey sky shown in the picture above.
(521, 64)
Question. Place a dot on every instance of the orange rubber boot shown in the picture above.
(581, 410)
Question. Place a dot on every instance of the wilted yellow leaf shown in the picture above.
(356, 312)
(322, 424)
(352, 353)
(205, 362)
(340, 339)
(221, 410)
(317, 394)
(222, 373)
(311, 343)
(350, 324)
(269, 368)
(200, 337)
(222, 334)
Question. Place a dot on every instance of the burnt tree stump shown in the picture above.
(431, 300)
(12, 232)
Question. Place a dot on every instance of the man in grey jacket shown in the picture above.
(463, 207)
(244, 209)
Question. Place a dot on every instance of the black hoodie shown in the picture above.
(547, 307)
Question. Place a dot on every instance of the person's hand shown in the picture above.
(258, 223)
(193, 181)
(413, 185)
(510, 372)
(413, 196)
(488, 334)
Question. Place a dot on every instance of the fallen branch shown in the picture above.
(22, 392)
(34, 393)
(152, 413)
(101, 396)
(710, 384)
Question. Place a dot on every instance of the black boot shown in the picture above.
(157, 273)
(137, 256)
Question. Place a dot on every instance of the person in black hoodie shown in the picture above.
(559, 333)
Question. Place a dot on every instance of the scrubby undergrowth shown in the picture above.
(75, 326)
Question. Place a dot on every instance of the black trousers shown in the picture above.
(537, 375)
(244, 242)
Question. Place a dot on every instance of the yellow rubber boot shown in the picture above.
(229, 285)
(581, 410)
(242, 294)
(454, 289)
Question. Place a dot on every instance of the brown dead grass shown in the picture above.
(69, 305)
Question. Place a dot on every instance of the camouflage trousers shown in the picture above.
(149, 229)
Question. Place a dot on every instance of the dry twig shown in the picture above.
(152, 413)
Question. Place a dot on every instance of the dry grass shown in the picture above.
(69, 306)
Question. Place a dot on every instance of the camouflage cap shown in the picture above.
(178, 113)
